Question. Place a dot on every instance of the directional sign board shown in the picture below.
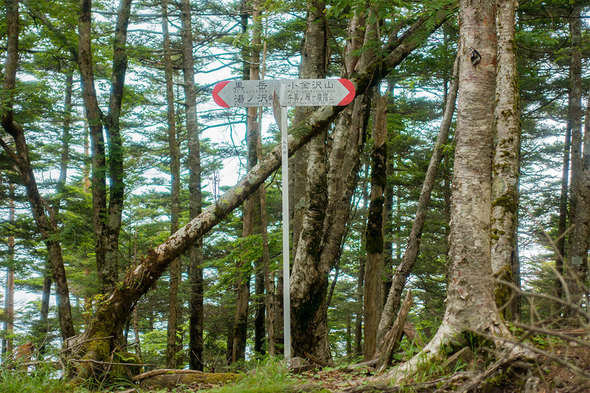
(296, 92)
(290, 92)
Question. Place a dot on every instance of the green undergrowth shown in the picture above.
(18, 381)
(270, 376)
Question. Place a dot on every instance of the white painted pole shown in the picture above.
(285, 185)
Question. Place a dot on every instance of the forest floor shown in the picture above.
(558, 368)
(564, 369)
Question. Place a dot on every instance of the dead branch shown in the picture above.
(574, 307)
(474, 382)
(577, 370)
(394, 335)
(554, 333)
(446, 381)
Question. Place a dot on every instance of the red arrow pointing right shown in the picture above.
(351, 92)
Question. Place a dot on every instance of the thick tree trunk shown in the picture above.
(175, 266)
(506, 160)
(310, 275)
(314, 65)
(374, 233)
(470, 295)
(306, 251)
(194, 162)
(42, 212)
(580, 186)
(413, 247)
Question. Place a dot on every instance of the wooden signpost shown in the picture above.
(290, 92)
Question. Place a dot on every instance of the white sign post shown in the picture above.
(291, 92)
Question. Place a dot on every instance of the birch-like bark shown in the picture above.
(470, 295)
(413, 246)
(506, 160)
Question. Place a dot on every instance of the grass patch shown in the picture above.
(270, 376)
(17, 381)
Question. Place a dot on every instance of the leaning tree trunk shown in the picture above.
(470, 295)
(506, 160)
(42, 212)
(410, 256)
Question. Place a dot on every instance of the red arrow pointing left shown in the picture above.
(216, 90)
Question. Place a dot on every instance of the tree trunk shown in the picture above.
(413, 247)
(309, 280)
(580, 191)
(7, 341)
(563, 214)
(254, 202)
(43, 326)
(194, 162)
(306, 255)
(374, 233)
(175, 266)
(360, 283)
(244, 268)
(42, 212)
(470, 295)
(106, 219)
(506, 160)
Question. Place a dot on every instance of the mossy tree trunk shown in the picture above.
(107, 212)
(470, 299)
(506, 160)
